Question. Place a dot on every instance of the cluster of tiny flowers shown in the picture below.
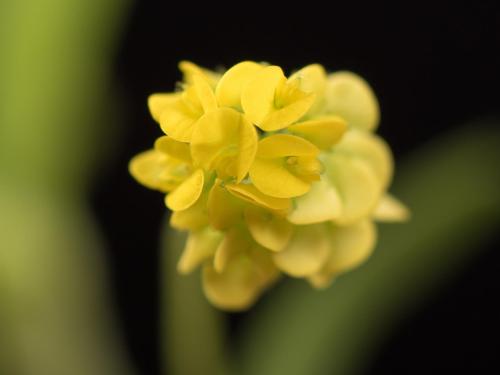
(269, 175)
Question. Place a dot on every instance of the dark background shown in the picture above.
(432, 68)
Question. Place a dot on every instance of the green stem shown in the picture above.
(193, 330)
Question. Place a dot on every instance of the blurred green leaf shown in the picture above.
(55, 76)
(55, 310)
(55, 315)
(451, 186)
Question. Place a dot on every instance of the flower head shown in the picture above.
(270, 175)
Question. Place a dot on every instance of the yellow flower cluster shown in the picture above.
(269, 175)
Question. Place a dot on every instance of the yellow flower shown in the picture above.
(189, 70)
(285, 166)
(350, 97)
(272, 102)
(312, 79)
(250, 193)
(167, 168)
(235, 268)
(348, 247)
(268, 228)
(270, 175)
(177, 113)
(323, 132)
(225, 141)
(242, 279)
(232, 83)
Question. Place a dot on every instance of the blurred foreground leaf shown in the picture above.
(452, 187)
(55, 310)
(55, 80)
(55, 313)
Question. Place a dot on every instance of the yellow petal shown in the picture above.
(192, 218)
(264, 262)
(148, 168)
(200, 246)
(224, 209)
(306, 252)
(270, 231)
(173, 148)
(257, 98)
(230, 86)
(205, 93)
(226, 141)
(323, 132)
(351, 245)
(312, 79)
(158, 102)
(357, 185)
(187, 193)
(190, 97)
(321, 279)
(250, 194)
(272, 178)
(320, 204)
(280, 145)
(236, 241)
(178, 120)
(243, 279)
(350, 97)
(247, 148)
(282, 117)
(190, 70)
(271, 102)
(273, 175)
(236, 288)
(390, 209)
(372, 150)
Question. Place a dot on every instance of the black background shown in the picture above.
(432, 68)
